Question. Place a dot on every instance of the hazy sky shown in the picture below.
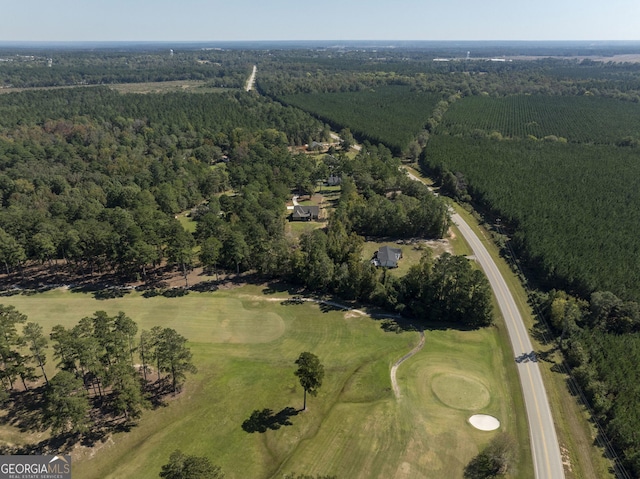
(202, 20)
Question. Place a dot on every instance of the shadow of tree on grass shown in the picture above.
(260, 421)
(25, 410)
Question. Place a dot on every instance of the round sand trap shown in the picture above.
(460, 392)
(484, 422)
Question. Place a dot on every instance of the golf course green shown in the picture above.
(245, 341)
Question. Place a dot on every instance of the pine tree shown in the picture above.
(310, 372)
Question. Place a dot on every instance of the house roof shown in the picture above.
(388, 256)
(300, 211)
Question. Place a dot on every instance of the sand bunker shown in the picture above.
(484, 422)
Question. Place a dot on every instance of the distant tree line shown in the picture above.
(313, 73)
(71, 68)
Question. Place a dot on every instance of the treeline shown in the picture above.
(247, 233)
(97, 374)
(197, 120)
(67, 68)
(316, 72)
(447, 289)
(569, 209)
(373, 185)
(600, 338)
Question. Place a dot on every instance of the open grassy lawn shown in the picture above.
(245, 343)
(187, 222)
(411, 253)
(295, 229)
(192, 86)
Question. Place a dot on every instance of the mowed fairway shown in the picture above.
(245, 343)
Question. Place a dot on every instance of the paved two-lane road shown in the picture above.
(545, 449)
(547, 461)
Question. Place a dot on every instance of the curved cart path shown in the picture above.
(394, 381)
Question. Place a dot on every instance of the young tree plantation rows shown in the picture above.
(393, 115)
(571, 207)
(577, 119)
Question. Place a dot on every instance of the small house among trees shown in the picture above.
(387, 257)
(334, 180)
(305, 213)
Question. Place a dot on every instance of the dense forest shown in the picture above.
(600, 338)
(83, 183)
(567, 206)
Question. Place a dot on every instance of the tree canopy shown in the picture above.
(310, 373)
(183, 466)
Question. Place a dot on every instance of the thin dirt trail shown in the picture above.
(394, 368)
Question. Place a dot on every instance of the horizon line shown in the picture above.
(2, 41)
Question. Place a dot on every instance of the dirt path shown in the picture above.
(252, 79)
(394, 369)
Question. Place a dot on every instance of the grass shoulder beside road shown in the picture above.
(576, 434)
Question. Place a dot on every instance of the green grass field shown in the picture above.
(187, 222)
(410, 255)
(245, 344)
